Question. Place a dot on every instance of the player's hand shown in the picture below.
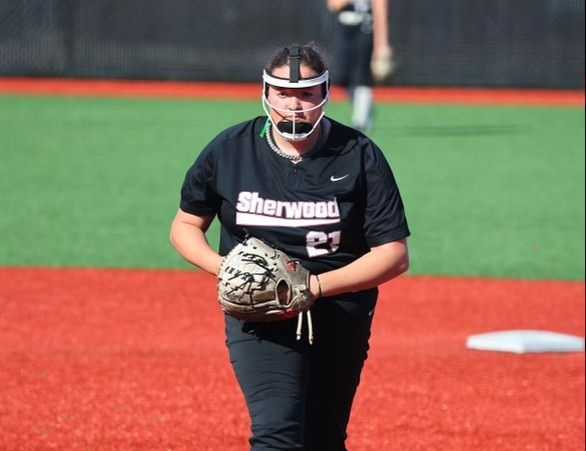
(337, 5)
(382, 64)
(315, 286)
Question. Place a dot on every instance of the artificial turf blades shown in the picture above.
(489, 191)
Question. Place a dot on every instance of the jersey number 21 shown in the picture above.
(321, 243)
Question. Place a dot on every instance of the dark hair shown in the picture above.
(310, 57)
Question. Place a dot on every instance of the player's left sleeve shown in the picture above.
(385, 220)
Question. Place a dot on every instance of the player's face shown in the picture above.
(298, 104)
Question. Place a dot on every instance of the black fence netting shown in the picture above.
(494, 43)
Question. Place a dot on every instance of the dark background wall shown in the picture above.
(494, 43)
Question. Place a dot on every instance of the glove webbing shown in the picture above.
(309, 326)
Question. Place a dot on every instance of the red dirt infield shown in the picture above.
(251, 91)
(125, 360)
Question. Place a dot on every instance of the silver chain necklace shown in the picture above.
(278, 151)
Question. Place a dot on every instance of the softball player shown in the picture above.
(362, 51)
(324, 194)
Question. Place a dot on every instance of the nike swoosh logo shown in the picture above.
(337, 179)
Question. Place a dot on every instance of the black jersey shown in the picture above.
(357, 12)
(327, 210)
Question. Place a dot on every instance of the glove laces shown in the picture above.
(309, 318)
(309, 326)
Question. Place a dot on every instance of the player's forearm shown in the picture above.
(380, 12)
(337, 5)
(191, 243)
(380, 265)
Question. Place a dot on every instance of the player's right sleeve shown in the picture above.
(198, 194)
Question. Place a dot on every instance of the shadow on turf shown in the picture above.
(460, 130)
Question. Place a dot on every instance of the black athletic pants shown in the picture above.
(299, 396)
(353, 55)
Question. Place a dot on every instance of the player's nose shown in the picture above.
(293, 103)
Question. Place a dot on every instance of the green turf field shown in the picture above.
(489, 191)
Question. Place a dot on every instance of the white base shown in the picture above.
(525, 341)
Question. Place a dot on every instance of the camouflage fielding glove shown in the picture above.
(257, 282)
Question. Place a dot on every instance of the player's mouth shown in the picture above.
(299, 127)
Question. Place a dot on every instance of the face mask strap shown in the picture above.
(295, 64)
(302, 83)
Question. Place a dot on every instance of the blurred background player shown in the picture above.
(363, 54)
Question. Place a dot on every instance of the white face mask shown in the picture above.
(294, 130)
